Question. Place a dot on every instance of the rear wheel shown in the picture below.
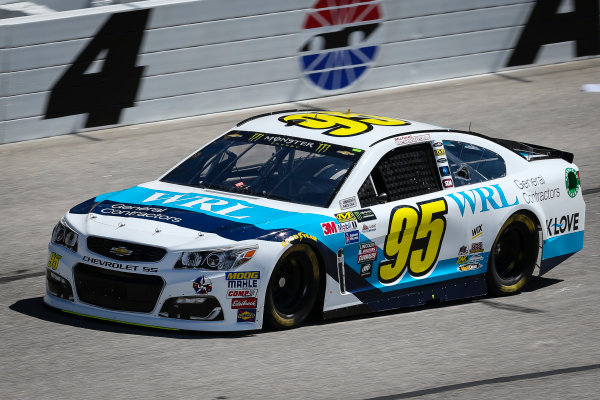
(293, 288)
(513, 255)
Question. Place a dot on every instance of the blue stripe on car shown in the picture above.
(563, 244)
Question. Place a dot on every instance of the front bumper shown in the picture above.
(151, 294)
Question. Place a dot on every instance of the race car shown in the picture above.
(309, 212)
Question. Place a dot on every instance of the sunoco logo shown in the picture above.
(341, 46)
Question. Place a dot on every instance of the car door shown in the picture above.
(476, 198)
(400, 248)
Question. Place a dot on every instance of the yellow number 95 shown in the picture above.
(414, 240)
(340, 124)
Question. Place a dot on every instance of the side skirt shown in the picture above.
(462, 288)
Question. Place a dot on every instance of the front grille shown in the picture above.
(117, 290)
(118, 250)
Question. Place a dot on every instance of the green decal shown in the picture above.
(571, 182)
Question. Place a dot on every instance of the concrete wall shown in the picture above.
(154, 60)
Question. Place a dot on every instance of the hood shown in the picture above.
(203, 211)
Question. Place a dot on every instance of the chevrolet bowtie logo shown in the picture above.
(121, 251)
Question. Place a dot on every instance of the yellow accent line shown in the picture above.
(121, 322)
(480, 233)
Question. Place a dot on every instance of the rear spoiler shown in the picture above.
(533, 152)
(530, 152)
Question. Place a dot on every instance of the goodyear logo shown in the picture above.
(242, 275)
(298, 236)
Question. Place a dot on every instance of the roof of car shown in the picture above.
(346, 129)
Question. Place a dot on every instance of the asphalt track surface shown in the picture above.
(540, 344)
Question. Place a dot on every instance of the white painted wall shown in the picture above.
(206, 56)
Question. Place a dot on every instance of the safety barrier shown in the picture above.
(154, 60)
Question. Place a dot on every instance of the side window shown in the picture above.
(473, 164)
(403, 172)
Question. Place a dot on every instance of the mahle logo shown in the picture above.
(341, 41)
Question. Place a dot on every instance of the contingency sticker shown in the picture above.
(243, 280)
(246, 315)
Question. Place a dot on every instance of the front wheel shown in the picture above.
(513, 255)
(293, 288)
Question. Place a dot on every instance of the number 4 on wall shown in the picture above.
(103, 95)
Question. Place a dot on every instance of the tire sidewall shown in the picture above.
(504, 286)
(278, 320)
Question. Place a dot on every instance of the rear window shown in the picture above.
(473, 164)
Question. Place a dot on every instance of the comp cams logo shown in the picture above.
(340, 44)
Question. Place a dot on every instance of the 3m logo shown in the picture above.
(331, 58)
(255, 137)
(329, 228)
(323, 147)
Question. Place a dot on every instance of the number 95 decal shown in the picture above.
(339, 124)
(413, 241)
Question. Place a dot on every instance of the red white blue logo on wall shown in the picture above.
(341, 46)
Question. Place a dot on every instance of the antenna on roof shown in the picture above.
(470, 126)
(348, 112)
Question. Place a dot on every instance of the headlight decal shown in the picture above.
(215, 259)
(64, 236)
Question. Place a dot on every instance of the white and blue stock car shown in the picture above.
(311, 211)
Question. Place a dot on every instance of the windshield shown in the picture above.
(272, 166)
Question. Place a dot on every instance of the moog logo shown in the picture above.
(341, 45)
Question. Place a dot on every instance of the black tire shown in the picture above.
(513, 256)
(293, 288)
